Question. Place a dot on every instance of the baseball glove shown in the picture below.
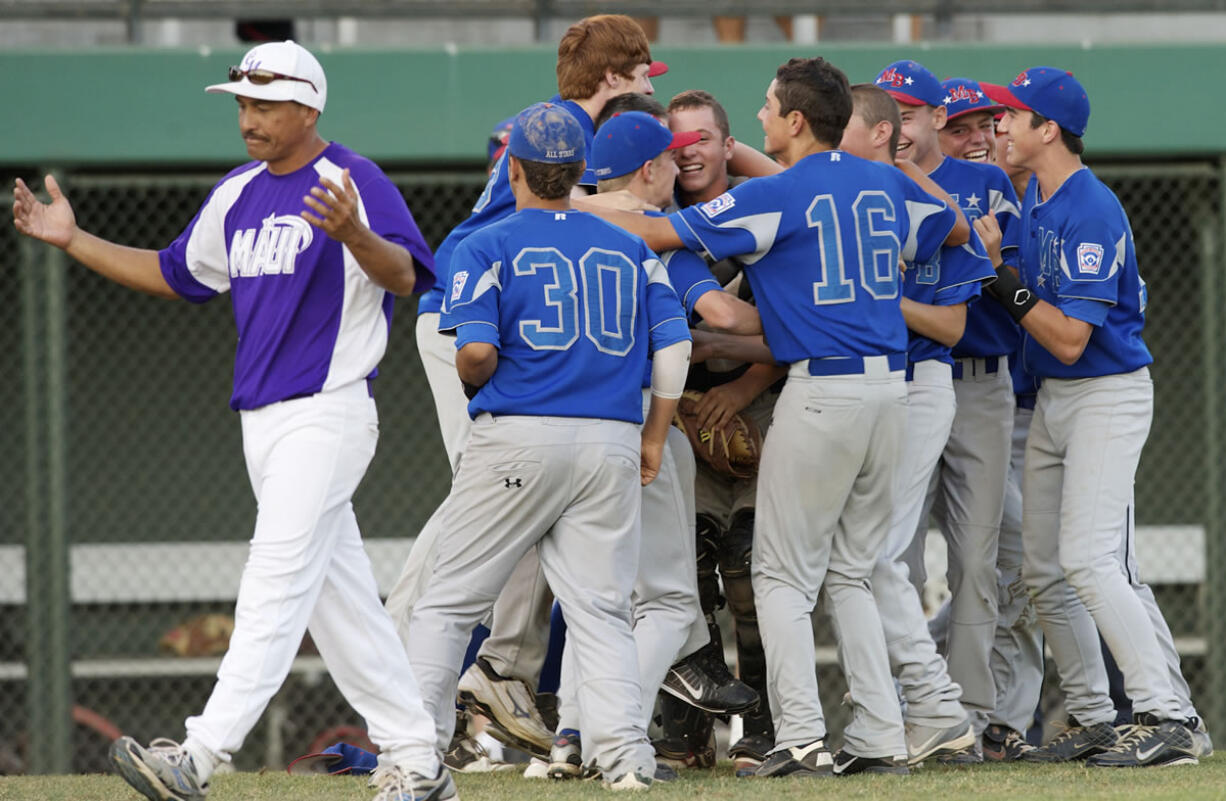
(732, 449)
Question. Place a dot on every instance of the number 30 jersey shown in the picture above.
(573, 304)
(820, 243)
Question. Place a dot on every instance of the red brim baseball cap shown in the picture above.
(903, 97)
(1049, 91)
(628, 140)
(684, 139)
(1003, 96)
(656, 69)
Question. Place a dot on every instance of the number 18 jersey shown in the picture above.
(573, 304)
(821, 243)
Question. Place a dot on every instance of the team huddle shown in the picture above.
(919, 296)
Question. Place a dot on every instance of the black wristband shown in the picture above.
(1011, 293)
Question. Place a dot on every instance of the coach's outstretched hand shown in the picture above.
(53, 223)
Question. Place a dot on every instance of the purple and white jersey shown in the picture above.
(309, 318)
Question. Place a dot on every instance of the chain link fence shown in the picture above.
(120, 438)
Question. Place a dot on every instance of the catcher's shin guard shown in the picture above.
(709, 533)
(735, 559)
(686, 734)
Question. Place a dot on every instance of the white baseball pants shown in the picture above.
(307, 569)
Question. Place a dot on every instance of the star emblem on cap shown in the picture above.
(909, 80)
(1026, 82)
(947, 100)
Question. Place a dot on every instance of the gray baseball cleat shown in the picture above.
(162, 772)
(509, 704)
(397, 784)
(928, 741)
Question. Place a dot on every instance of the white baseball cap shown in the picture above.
(278, 71)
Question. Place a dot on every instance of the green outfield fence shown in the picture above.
(124, 503)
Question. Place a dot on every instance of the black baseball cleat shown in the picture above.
(812, 760)
(1150, 742)
(846, 763)
(702, 679)
(748, 753)
(1003, 744)
(677, 753)
(1074, 743)
(970, 755)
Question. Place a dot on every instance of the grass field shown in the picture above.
(988, 783)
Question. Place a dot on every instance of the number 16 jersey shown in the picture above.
(820, 243)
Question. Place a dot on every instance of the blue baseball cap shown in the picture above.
(548, 133)
(499, 138)
(1050, 91)
(910, 82)
(962, 96)
(336, 759)
(628, 140)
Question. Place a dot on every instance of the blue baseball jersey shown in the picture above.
(309, 318)
(820, 243)
(954, 275)
(1077, 254)
(574, 305)
(690, 276)
(978, 188)
(496, 202)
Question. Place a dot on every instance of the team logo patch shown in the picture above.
(457, 284)
(1089, 257)
(719, 205)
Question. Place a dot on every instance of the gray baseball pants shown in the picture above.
(823, 512)
(570, 487)
(933, 699)
(1081, 461)
(1017, 650)
(519, 628)
(667, 618)
(967, 498)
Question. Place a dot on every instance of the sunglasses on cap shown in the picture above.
(264, 77)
